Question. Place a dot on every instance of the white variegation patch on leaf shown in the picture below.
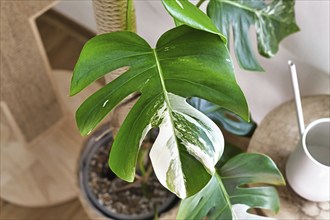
(184, 128)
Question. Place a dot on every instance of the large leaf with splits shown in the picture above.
(228, 196)
(186, 62)
(272, 21)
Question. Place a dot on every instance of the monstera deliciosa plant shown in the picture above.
(190, 60)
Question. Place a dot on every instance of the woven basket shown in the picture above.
(111, 15)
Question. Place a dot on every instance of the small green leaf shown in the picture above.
(226, 196)
(186, 13)
(186, 62)
(273, 22)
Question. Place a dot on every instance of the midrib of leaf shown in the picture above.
(257, 12)
(227, 198)
(167, 101)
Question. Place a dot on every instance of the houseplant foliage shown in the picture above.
(189, 143)
(191, 60)
(272, 21)
(227, 187)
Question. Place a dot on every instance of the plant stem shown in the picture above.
(144, 181)
(199, 3)
(146, 176)
(136, 184)
(156, 212)
(138, 177)
(129, 14)
(224, 191)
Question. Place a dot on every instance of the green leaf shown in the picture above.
(186, 13)
(186, 62)
(226, 196)
(224, 118)
(272, 22)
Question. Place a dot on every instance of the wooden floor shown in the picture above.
(69, 210)
(63, 41)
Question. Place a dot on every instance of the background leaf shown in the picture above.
(224, 118)
(227, 195)
(272, 21)
(186, 62)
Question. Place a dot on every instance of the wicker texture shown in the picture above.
(111, 15)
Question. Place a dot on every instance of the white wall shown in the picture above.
(309, 49)
(81, 11)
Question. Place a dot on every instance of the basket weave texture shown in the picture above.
(110, 15)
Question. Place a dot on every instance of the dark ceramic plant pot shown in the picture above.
(98, 185)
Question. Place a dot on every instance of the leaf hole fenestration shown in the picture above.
(144, 161)
(115, 73)
(255, 185)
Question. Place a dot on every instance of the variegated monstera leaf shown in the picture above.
(186, 62)
(272, 20)
(228, 196)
